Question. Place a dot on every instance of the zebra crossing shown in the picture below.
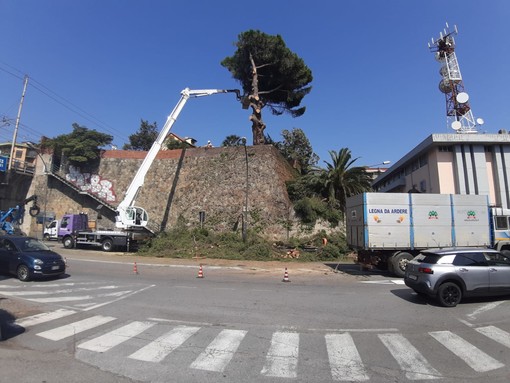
(152, 343)
(83, 296)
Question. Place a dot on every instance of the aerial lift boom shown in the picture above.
(130, 216)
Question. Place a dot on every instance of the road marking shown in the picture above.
(408, 357)
(487, 307)
(78, 297)
(344, 359)
(158, 350)
(107, 341)
(496, 334)
(181, 321)
(53, 292)
(66, 331)
(282, 357)
(386, 282)
(43, 317)
(354, 329)
(218, 354)
(118, 299)
(474, 357)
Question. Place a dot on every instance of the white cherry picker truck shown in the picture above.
(130, 221)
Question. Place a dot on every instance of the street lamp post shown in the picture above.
(245, 212)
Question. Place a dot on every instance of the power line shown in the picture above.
(64, 102)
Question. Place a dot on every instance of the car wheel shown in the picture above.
(68, 242)
(46, 237)
(107, 245)
(23, 273)
(399, 263)
(449, 294)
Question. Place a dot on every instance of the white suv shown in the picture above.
(449, 274)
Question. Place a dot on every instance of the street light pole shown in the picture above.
(17, 122)
(245, 213)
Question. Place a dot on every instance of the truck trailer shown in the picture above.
(389, 229)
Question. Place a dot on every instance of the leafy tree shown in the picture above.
(296, 148)
(233, 140)
(81, 147)
(341, 179)
(271, 75)
(144, 138)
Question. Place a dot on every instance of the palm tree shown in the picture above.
(341, 180)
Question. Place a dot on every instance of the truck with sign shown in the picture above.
(389, 229)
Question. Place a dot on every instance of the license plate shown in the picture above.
(413, 277)
(55, 267)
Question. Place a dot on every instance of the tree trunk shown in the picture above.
(256, 104)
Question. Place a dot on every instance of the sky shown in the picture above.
(108, 64)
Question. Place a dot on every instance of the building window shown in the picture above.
(423, 160)
(19, 153)
(488, 149)
(445, 148)
(423, 186)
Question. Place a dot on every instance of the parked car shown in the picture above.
(449, 274)
(28, 258)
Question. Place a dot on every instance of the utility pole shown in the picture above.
(25, 83)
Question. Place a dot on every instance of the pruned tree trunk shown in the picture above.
(257, 126)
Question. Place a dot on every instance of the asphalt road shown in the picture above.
(123, 318)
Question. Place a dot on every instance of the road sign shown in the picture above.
(3, 163)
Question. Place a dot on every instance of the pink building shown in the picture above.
(458, 163)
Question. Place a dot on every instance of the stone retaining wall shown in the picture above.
(179, 185)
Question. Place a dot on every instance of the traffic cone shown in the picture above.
(135, 269)
(200, 272)
(286, 276)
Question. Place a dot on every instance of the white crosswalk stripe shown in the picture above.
(496, 334)
(220, 351)
(344, 359)
(157, 350)
(410, 360)
(66, 331)
(282, 357)
(44, 317)
(474, 357)
(82, 296)
(283, 351)
(107, 341)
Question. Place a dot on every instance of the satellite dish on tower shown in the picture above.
(462, 98)
(456, 125)
(480, 121)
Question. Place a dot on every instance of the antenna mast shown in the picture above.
(459, 115)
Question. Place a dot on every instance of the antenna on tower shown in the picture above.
(458, 112)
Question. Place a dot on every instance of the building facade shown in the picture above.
(459, 163)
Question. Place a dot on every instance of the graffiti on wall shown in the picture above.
(92, 183)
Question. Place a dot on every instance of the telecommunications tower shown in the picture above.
(458, 112)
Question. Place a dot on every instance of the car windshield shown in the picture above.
(31, 244)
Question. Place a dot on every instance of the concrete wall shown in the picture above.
(181, 184)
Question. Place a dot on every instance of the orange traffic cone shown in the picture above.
(286, 276)
(135, 269)
(200, 272)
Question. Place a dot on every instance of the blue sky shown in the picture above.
(107, 64)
